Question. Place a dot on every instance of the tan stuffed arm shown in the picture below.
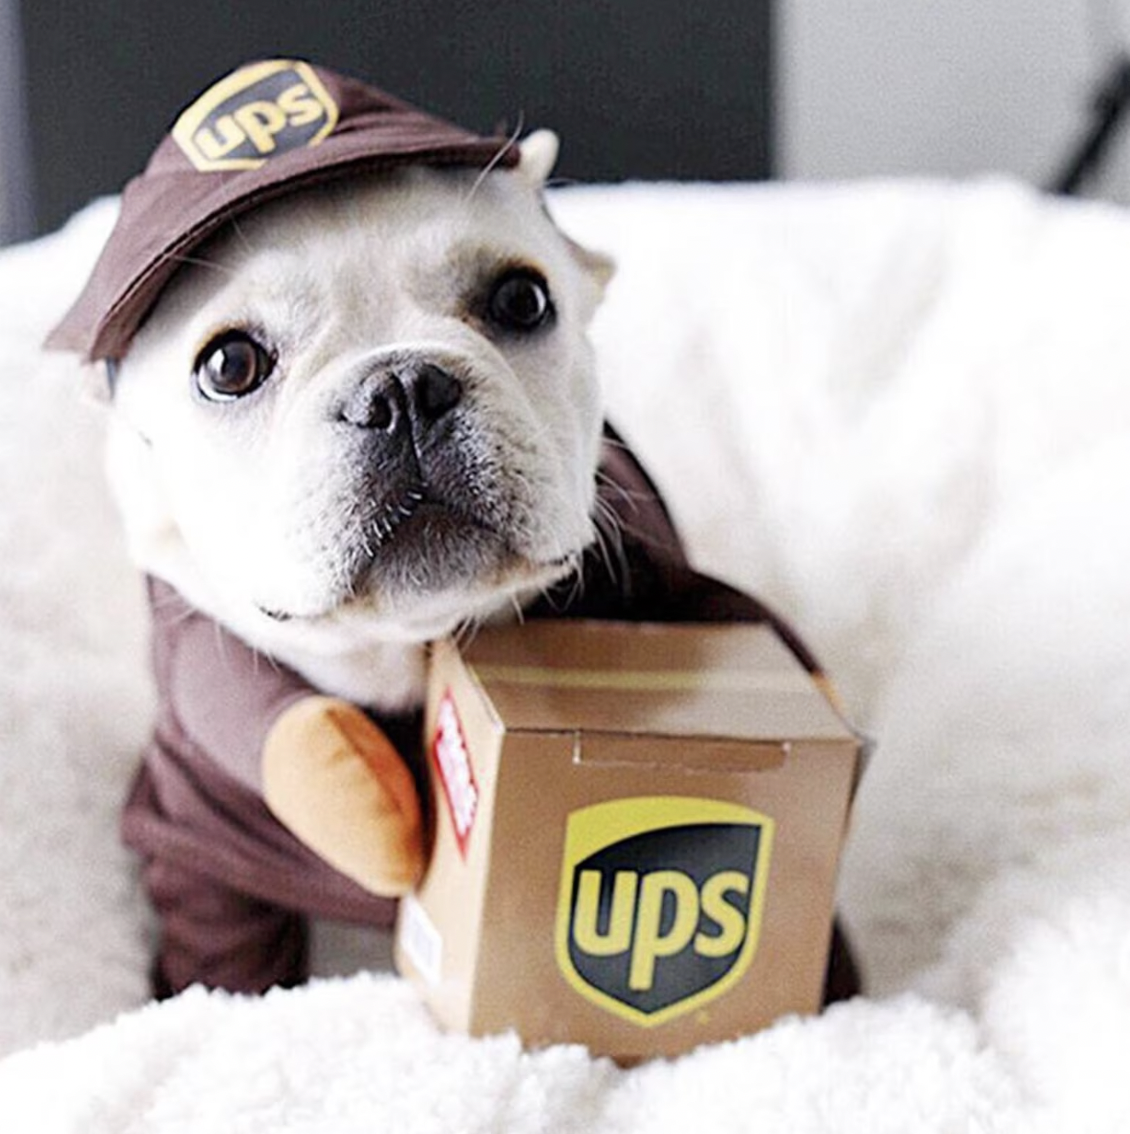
(335, 780)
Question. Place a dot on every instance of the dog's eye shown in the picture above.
(520, 301)
(231, 366)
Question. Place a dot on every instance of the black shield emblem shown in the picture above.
(660, 902)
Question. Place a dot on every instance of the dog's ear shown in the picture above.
(598, 266)
(538, 156)
(98, 381)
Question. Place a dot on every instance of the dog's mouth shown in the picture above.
(425, 544)
(409, 547)
(419, 514)
(422, 541)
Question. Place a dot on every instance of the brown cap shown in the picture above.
(265, 130)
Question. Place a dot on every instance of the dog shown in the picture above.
(358, 413)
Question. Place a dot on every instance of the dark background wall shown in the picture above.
(647, 89)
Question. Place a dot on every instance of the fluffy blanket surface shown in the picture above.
(901, 413)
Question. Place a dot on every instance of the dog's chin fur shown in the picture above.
(298, 532)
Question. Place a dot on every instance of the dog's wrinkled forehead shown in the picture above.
(383, 244)
(264, 131)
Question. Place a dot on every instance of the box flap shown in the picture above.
(728, 680)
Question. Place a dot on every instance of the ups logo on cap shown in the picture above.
(255, 114)
(659, 907)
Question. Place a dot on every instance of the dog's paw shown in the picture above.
(335, 780)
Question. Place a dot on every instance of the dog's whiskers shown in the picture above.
(185, 260)
(464, 634)
(413, 498)
(237, 231)
(393, 513)
(518, 608)
(484, 173)
(610, 540)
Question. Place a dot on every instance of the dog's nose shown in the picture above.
(389, 399)
(434, 392)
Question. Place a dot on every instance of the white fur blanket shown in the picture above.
(901, 413)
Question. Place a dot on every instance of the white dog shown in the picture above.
(354, 410)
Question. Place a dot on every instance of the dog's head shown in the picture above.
(367, 407)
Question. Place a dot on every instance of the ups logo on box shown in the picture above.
(255, 114)
(659, 908)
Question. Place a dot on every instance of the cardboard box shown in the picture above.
(637, 830)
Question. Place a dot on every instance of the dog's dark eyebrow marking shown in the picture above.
(474, 259)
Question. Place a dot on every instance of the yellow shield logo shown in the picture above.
(255, 114)
(660, 901)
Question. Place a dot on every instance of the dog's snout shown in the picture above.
(390, 399)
